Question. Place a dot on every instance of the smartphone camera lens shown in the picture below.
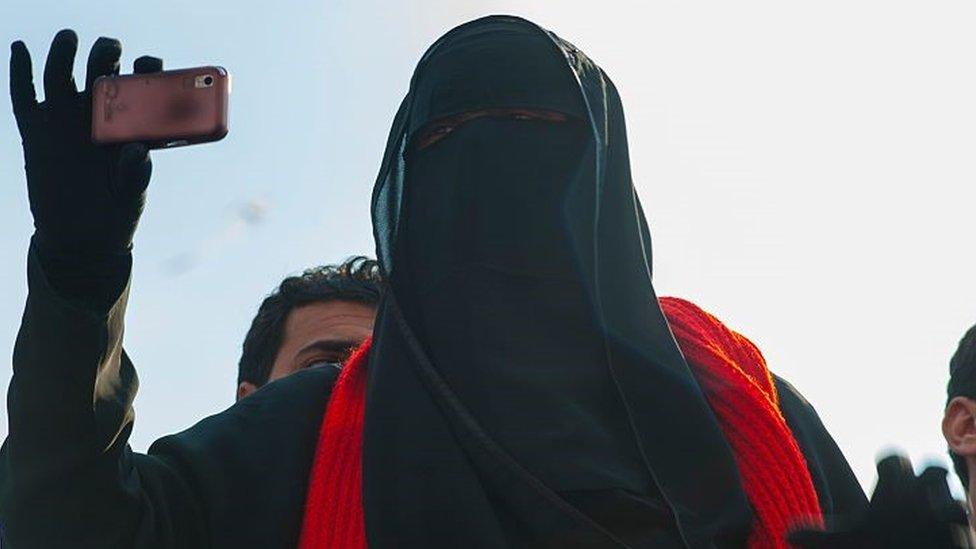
(203, 81)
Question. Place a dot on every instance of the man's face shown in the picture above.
(318, 333)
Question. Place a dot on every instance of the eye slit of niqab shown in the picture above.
(441, 128)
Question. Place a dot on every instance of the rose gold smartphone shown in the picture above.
(161, 109)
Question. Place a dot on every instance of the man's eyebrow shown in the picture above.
(330, 346)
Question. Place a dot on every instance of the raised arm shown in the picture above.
(67, 476)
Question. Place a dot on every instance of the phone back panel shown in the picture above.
(163, 109)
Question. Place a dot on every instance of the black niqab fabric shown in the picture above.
(521, 366)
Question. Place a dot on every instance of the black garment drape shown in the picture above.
(519, 263)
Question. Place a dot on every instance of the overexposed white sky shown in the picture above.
(807, 169)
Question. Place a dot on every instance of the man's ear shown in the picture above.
(245, 388)
(959, 426)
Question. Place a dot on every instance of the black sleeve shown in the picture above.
(840, 493)
(67, 475)
(249, 465)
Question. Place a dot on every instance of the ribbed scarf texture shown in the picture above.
(334, 504)
(739, 388)
(731, 372)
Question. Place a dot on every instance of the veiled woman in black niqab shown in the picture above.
(524, 386)
(524, 389)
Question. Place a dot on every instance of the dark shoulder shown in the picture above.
(295, 393)
(791, 400)
(839, 491)
(291, 406)
(252, 461)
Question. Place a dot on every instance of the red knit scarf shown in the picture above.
(733, 375)
(731, 372)
(334, 504)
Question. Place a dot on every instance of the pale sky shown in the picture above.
(806, 169)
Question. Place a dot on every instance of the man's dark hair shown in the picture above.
(356, 279)
(962, 382)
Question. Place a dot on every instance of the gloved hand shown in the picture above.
(905, 511)
(86, 199)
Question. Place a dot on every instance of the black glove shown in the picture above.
(86, 199)
(905, 511)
